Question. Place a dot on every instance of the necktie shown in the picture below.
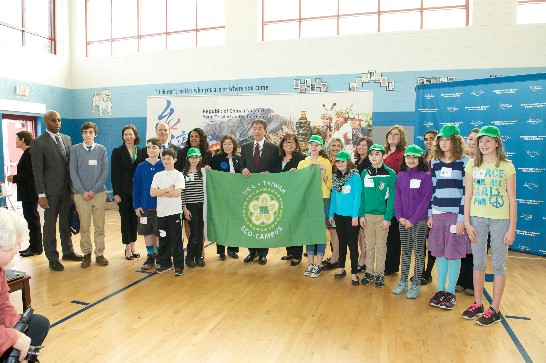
(60, 144)
(89, 148)
(256, 155)
(164, 147)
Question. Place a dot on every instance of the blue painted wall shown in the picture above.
(129, 102)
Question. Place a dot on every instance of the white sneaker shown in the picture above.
(309, 270)
(316, 271)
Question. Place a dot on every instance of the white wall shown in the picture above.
(30, 66)
(493, 41)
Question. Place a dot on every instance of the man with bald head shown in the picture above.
(163, 133)
(50, 164)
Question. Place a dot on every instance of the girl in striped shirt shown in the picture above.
(192, 203)
(447, 240)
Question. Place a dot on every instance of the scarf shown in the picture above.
(340, 179)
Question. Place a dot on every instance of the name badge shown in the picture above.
(414, 183)
(478, 173)
(92, 162)
(143, 220)
(346, 189)
(445, 172)
(368, 183)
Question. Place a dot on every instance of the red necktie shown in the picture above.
(256, 155)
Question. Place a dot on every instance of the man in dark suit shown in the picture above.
(163, 133)
(26, 194)
(50, 164)
(259, 156)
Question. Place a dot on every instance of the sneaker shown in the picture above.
(413, 292)
(149, 263)
(367, 279)
(459, 288)
(437, 298)
(400, 288)
(316, 271)
(379, 281)
(178, 272)
(190, 263)
(162, 269)
(309, 270)
(489, 317)
(222, 256)
(448, 301)
(473, 311)
(469, 292)
(200, 262)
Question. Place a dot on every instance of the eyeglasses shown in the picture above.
(393, 134)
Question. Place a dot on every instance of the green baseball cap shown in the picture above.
(491, 131)
(376, 147)
(448, 130)
(413, 150)
(343, 155)
(194, 152)
(317, 139)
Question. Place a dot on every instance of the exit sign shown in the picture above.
(22, 90)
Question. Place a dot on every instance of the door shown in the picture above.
(12, 124)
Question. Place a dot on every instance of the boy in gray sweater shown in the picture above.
(88, 171)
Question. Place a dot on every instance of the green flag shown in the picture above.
(265, 210)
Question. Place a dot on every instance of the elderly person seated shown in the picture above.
(13, 231)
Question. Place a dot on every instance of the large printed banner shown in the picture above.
(265, 210)
(344, 114)
(517, 106)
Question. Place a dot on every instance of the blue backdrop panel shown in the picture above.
(517, 106)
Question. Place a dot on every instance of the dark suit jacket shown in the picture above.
(123, 170)
(269, 159)
(217, 163)
(143, 154)
(50, 167)
(292, 163)
(26, 189)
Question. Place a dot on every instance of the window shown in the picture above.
(531, 11)
(117, 27)
(294, 19)
(28, 23)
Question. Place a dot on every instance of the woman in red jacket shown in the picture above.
(13, 231)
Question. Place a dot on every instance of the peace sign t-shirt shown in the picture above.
(489, 195)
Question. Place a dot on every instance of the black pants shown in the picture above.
(30, 212)
(197, 225)
(221, 249)
(295, 252)
(392, 260)
(466, 276)
(38, 328)
(59, 206)
(348, 236)
(170, 241)
(129, 219)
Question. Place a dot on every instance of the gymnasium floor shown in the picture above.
(235, 312)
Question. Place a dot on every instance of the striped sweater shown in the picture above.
(194, 192)
(448, 184)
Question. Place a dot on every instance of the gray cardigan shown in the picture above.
(88, 169)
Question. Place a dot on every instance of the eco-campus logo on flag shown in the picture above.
(262, 209)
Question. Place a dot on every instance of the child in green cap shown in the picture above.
(376, 212)
(490, 207)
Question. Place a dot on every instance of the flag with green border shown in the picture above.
(265, 210)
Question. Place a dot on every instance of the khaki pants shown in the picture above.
(376, 244)
(87, 209)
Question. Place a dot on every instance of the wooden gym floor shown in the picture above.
(235, 312)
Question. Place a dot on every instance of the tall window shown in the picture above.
(531, 11)
(116, 27)
(28, 23)
(293, 19)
